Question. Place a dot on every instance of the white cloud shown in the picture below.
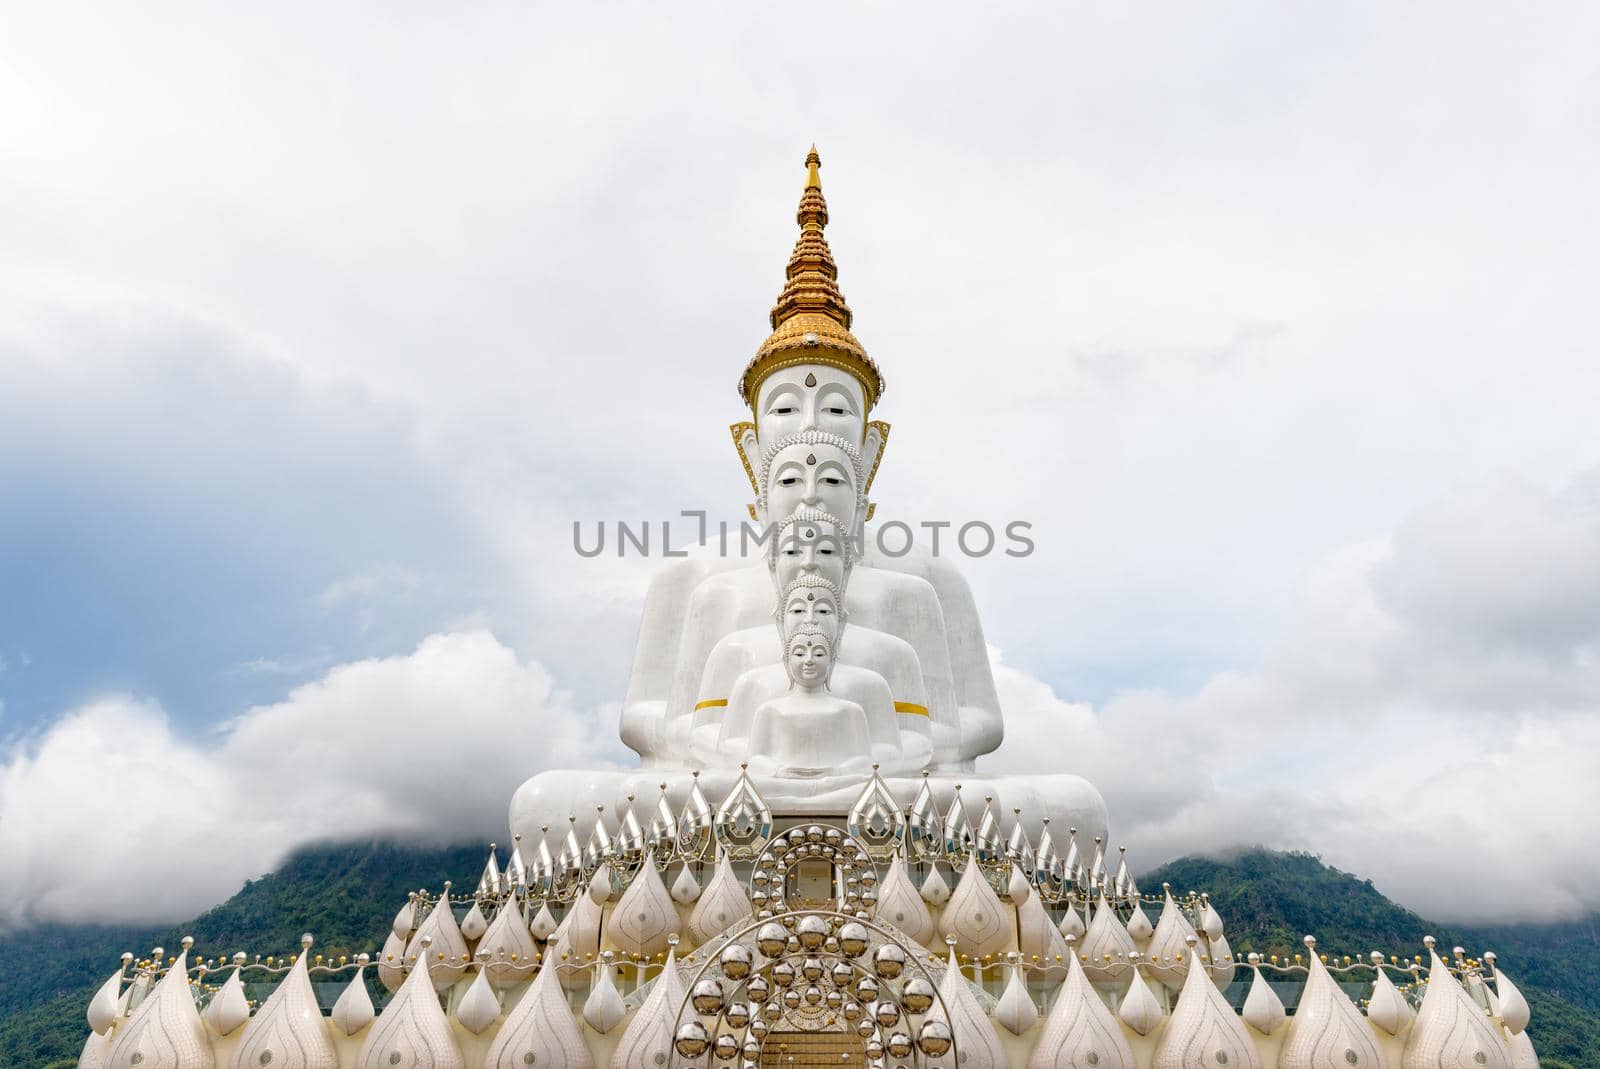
(1431, 721)
(112, 815)
(277, 666)
(382, 581)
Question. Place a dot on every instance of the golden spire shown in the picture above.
(810, 321)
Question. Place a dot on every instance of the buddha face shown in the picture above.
(818, 476)
(810, 397)
(813, 606)
(808, 548)
(808, 661)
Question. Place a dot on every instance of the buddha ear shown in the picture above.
(744, 440)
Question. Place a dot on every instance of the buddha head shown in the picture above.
(814, 601)
(825, 414)
(808, 658)
(810, 397)
(811, 374)
(812, 469)
(809, 542)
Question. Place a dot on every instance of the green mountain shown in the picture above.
(347, 894)
(1269, 900)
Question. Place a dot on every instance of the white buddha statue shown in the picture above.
(708, 657)
(808, 731)
(810, 377)
(748, 666)
(819, 475)
(805, 546)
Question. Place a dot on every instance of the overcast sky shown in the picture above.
(319, 327)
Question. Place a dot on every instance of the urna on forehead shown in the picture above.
(809, 548)
(811, 603)
(810, 639)
(810, 397)
(823, 595)
(801, 451)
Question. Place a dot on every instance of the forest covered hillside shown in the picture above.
(1269, 900)
(346, 894)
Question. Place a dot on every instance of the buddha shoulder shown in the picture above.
(879, 588)
(719, 591)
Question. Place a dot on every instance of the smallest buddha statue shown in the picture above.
(808, 731)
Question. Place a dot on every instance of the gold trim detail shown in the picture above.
(907, 707)
(882, 428)
(738, 430)
(811, 321)
(718, 703)
(770, 360)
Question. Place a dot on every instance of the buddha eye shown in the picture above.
(834, 411)
(788, 480)
(833, 480)
(784, 410)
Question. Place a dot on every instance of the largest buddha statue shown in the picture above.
(720, 675)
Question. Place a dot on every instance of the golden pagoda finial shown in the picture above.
(811, 321)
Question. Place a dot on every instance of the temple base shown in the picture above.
(553, 799)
